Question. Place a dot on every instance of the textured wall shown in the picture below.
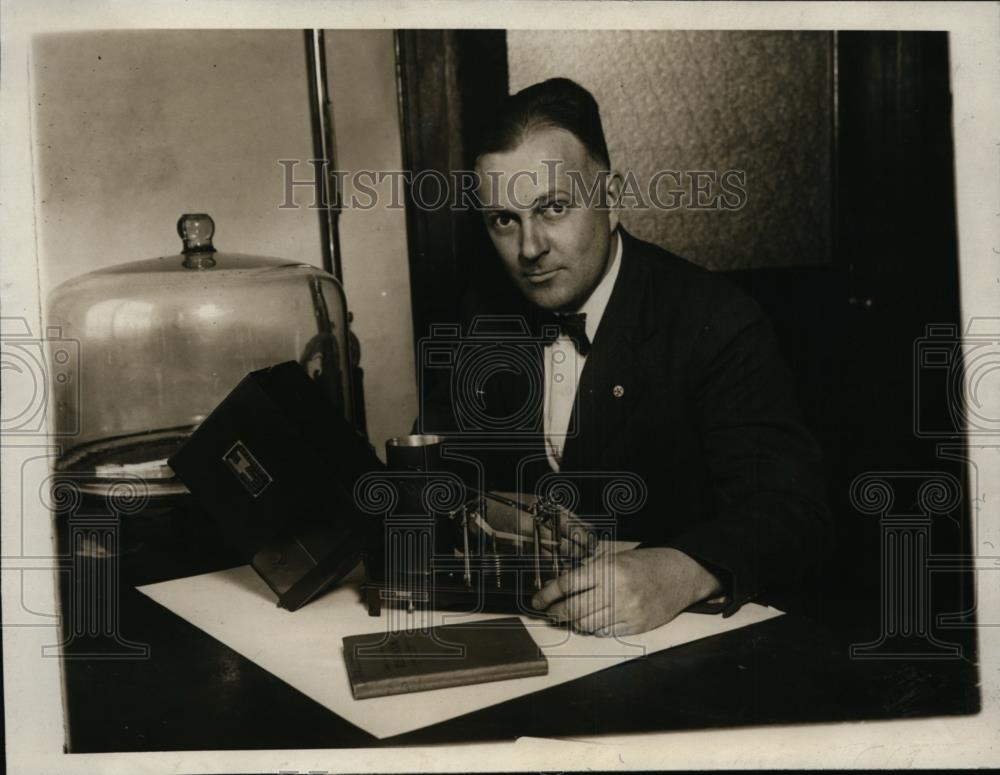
(754, 101)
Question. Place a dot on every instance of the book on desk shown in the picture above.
(384, 663)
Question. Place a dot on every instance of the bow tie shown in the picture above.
(570, 324)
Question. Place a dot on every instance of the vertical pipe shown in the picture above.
(537, 554)
(467, 575)
(556, 538)
(324, 152)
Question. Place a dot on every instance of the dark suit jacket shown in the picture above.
(685, 389)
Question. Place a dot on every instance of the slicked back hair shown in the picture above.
(556, 103)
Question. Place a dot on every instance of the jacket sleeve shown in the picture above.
(770, 519)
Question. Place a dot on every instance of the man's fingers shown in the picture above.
(617, 630)
(575, 608)
(575, 549)
(588, 613)
(567, 548)
(575, 544)
(571, 582)
(594, 621)
(557, 611)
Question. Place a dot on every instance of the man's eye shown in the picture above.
(554, 210)
(501, 221)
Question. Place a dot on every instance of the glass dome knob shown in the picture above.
(196, 230)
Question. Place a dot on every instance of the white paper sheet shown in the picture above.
(304, 648)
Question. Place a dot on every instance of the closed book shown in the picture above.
(382, 663)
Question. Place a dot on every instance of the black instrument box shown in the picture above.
(275, 464)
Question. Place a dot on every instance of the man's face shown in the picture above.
(555, 245)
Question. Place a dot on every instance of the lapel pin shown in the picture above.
(617, 391)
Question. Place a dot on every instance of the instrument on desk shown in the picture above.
(276, 464)
(459, 558)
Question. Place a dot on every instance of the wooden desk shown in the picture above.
(194, 693)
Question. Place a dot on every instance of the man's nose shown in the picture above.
(533, 241)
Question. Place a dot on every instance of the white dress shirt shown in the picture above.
(564, 365)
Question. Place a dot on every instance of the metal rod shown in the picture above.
(484, 518)
(496, 561)
(538, 557)
(465, 541)
(556, 538)
(324, 152)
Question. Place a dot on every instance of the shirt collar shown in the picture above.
(597, 302)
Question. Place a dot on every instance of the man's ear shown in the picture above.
(615, 184)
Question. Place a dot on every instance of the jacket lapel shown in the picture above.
(612, 381)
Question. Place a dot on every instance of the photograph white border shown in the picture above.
(32, 685)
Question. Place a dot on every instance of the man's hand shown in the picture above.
(624, 593)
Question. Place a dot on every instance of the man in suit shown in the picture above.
(651, 367)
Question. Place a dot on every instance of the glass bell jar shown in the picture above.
(162, 341)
